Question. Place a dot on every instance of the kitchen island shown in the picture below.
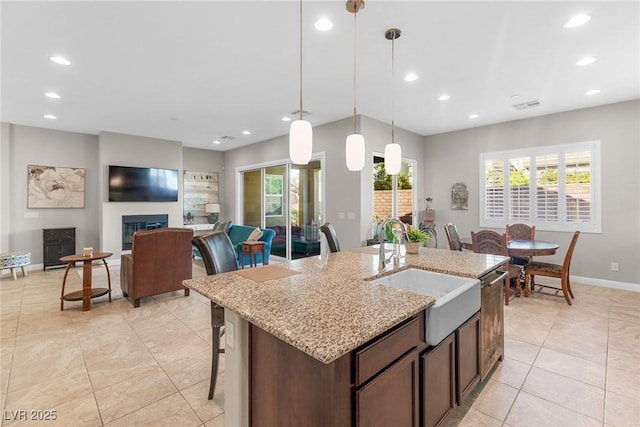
(301, 344)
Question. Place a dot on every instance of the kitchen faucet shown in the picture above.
(381, 260)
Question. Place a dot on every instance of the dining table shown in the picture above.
(521, 248)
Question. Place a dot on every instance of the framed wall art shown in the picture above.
(199, 189)
(55, 187)
(459, 196)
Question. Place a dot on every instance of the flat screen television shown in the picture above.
(133, 184)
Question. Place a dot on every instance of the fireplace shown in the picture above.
(133, 223)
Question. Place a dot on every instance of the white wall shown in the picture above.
(453, 157)
(128, 150)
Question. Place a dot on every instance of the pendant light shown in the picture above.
(300, 132)
(354, 148)
(392, 151)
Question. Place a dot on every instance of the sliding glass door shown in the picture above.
(288, 199)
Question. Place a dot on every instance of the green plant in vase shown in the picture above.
(415, 237)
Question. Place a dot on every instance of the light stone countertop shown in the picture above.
(330, 307)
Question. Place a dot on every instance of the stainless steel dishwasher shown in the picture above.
(491, 320)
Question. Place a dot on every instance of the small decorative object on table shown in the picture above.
(87, 251)
(415, 237)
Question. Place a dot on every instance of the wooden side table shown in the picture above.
(251, 248)
(87, 292)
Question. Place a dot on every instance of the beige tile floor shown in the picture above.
(119, 366)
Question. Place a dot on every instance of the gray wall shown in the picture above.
(22, 145)
(453, 157)
(37, 146)
(346, 191)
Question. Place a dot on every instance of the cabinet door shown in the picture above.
(438, 382)
(467, 357)
(391, 398)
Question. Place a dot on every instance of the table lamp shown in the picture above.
(213, 209)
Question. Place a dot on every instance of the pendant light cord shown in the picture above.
(300, 59)
(393, 44)
(355, 44)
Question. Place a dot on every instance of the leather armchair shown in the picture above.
(159, 261)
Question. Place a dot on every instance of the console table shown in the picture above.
(56, 243)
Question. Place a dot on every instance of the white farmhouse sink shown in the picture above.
(457, 298)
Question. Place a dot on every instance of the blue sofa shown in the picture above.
(239, 233)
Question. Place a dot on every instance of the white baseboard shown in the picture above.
(625, 286)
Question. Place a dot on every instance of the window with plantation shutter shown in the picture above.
(554, 188)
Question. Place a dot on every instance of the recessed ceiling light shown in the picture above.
(52, 95)
(444, 97)
(246, 132)
(586, 61)
(323, 24)
(216, 142)
(592, 92)
(50, 116)
(473, 116)
(60, 60)
(577, 20)
(286, 119)
(411, 77)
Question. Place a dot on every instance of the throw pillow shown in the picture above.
(255, 234)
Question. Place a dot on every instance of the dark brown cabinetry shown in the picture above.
(438, 382)
(56, 243)
(374, 385)
(450, 371)
(393, 380)
(467, 357)
(387, 372)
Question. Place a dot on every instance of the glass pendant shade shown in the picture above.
(300, 142)
(392, 158)
(355, 152)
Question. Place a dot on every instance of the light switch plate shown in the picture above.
(230, 334)
(351, 215)
(341, 215)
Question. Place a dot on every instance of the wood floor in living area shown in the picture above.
(120, 366)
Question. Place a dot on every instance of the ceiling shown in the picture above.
(198, 71)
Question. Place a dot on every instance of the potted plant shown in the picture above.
(415, 237)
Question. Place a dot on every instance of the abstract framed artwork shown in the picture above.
(55, 187)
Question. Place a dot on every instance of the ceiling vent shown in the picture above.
(227, 138)
(527, 105)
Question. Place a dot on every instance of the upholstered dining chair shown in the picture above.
(453, 237)
(218, 256)
(535, 268)
(521, 232)
(332, 238)
(490, 242)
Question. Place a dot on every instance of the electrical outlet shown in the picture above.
(614, 266)
(230, 334)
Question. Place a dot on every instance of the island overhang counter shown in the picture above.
(324, 307)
